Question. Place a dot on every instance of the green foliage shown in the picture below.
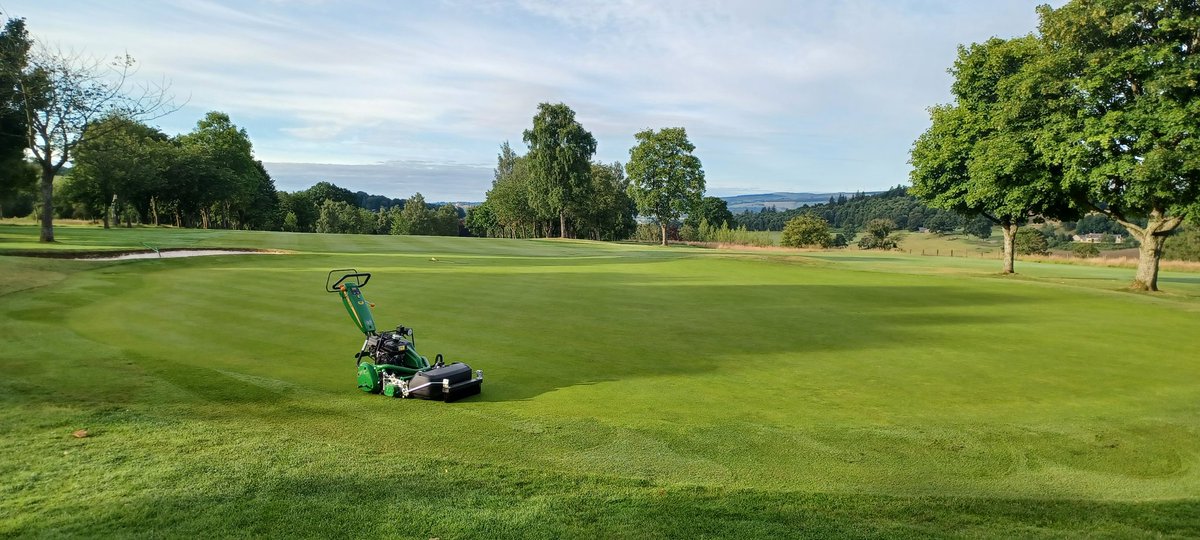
(737, 237)
(445, 220)
(1085, 251)
(416, 218)
(806, 230)
(1099, 223)
(18, 181)
(481, 220)
(877, 234)
(666, 179)
(1184, 245)
(1129, 134)
(985, 153)
(609, 214)
(559, 161)
(16, 176)
(943, 222)
(123, 161)
(979, 227)
(344, 218)
(712, 209)
(216, 177)
(509, 198)
(323, 191)
(603, 210)
(302, 207)
(647, 233)
(846, 214)
(290, 223)
(689, 233)
(1031, 242)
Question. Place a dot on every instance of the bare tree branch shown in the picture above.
(66, 93)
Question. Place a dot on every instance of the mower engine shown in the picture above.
(388, 362)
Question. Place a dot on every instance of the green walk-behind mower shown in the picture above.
(388, 362)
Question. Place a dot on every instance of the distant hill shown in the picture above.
(782, 200)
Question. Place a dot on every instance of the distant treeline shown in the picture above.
(849, 214)
(130, 173)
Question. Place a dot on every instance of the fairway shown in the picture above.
(631, 391)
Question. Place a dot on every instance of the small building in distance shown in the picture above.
(1097, 238)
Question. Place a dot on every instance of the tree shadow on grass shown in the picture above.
(656, 327)
(426, 499)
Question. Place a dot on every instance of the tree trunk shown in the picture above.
(663, 227)
(154, 211)
(562, 223)
(47, 205)
(109, 210)
(1152, 237)
(1146, 278)
(1010, 234)
(204, 217)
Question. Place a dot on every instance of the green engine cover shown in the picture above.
(368, 378)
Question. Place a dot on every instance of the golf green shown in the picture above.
(630, 391)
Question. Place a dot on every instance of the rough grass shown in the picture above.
(630, 392)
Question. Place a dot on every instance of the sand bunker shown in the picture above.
(171, 254)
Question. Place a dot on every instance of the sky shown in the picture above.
(398, 97)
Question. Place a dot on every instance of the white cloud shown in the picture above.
(777, 94)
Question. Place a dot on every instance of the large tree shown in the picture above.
(227, 179)
(1131, 142)
(666, 179)
(982, 155)
(560, 155)
(124, 164)
(15, 174)
(63, 95)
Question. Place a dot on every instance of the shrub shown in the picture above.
(806, 230)
(1183, 246)
(878, 235)
(1085, 250)
(689, 233)
(1031, 242)
(648, 232)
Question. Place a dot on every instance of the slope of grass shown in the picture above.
(630, 392)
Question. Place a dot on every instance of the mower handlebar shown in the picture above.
(352, 274)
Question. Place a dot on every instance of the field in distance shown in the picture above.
(631, 391)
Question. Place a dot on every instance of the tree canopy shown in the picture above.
(559, 160)
(982, 154)
(1128, 133)
(806, 230)
(666, 179)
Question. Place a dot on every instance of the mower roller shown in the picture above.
(388, 362)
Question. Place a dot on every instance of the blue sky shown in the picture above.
(398, 97)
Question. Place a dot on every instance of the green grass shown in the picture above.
(630, 391)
